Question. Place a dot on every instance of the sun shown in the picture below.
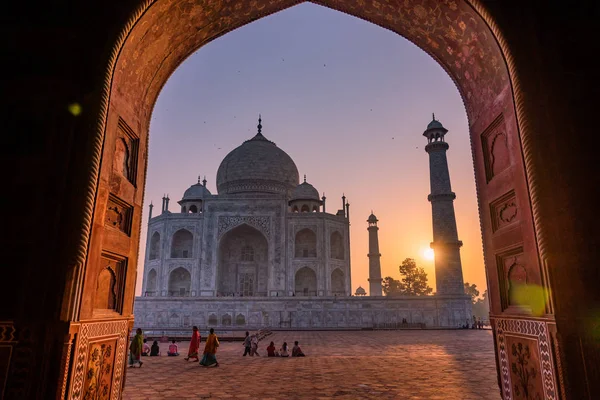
(429, 254)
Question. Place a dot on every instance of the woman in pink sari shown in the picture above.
(194, 345)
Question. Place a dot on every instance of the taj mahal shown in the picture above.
(265, 252)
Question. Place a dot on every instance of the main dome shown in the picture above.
(257, 166)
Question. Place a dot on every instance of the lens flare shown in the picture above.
(74, 108)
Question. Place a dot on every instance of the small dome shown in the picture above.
(360, 291)
(197, 191)
(257, 166)
(305, 191)
(372, 218)
(435, 125)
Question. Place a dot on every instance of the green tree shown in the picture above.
(472, 291)
(390, 285)
(413, 279)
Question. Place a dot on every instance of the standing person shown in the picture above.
(210, 350)
(247, 343)
(146, 348)
(254, 346)
(194, 345)
(135, 349)
(283, 352)
(271, 350)
(296, 350)
(173, 349)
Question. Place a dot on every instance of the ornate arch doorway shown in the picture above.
(458, 34)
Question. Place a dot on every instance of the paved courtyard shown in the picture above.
(339, 365)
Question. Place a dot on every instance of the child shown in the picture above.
(254, 346)
(173, 349)
(146, 348)
(283, 352)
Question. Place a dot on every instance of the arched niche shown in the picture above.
(242, 268)
(154, 246)
(240, 319)
(338, 286)
(336, 245)
(182, 244)
(180, 282)
(151, 282)
(106, 290)
(193, 209)
(305, 244)
(305, 282)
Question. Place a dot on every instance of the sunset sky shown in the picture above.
(348, 101)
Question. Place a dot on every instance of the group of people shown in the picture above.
(251, 348)
(476, 324)
(139, 347)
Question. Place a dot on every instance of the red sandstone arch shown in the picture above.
(457, 33)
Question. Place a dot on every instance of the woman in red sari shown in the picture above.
(194, 345)
(210, 350)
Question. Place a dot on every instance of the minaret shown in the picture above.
(375, 280)
(150, 215)
(448, 268)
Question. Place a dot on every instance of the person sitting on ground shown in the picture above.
(283, 352)
(296, 350)
(154, 350)
(146, 348)
(254, 345)
(271, 350)
(173, 349)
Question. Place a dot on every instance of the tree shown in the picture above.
(413, 280)
(472, 291)
(390, 285)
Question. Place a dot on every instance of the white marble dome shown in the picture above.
(195, 192)
(257, 166)
(305, 191)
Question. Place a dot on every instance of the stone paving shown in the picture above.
(340, 365)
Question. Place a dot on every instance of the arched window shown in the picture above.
(179, 282)
(213, 320)
(154, 246)
(305, 244)
(305, 282)
(151, 282)
(337, 283)
(240, 319)
(295, 209)
(337, 246)
(247, 253)
(226, 320)
(183, 210)
(305, 208)
(315, 209)
(182, 244)
(193, 209)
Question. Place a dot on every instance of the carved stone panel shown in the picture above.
(526, 359)
(495, 148)
(504, 211)
(126, 152)
(110, 283)
(98, 373)
(118, 214)
(226, 223)
(512, 273)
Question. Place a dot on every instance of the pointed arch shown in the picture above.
(151, 282)
(180, 282)
(182, 244)
(154, 246)
(336, 244)
(305, 243)
(338, 285)
(305, 282)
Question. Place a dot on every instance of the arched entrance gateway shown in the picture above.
(529, 190)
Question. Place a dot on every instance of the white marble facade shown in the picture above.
(263, 252)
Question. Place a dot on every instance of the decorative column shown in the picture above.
(448, 267)
(374, 255)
